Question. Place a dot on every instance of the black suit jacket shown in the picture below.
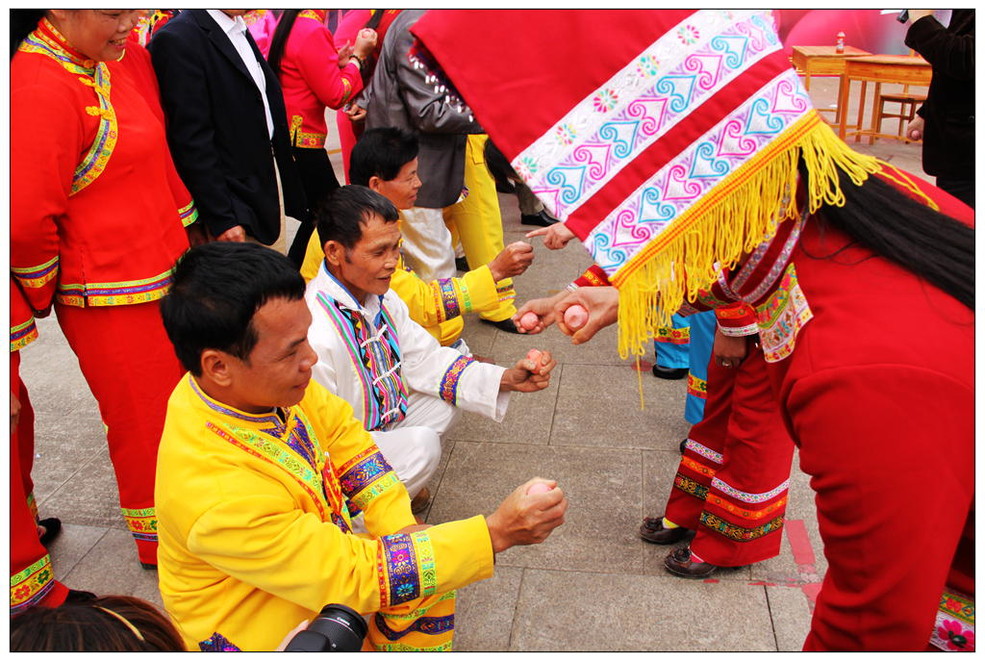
(949, 111)
(217, 129)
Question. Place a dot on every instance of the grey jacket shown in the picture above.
(399, 96)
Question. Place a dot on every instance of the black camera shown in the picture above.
(337, 628)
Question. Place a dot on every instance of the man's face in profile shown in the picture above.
(278, 369)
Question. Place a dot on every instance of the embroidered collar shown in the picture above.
(371, 308)
(270, 418)
(46, 38)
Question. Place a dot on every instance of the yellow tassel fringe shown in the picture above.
(739, 214)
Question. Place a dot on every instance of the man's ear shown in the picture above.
(215, 367)
(334, 252)
(375, 184)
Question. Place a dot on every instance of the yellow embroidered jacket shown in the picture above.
(254, 516)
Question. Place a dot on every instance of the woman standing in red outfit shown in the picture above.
(98, 218)
(314, 76)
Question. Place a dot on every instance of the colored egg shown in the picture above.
(575, 317)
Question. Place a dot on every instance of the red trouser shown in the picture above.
(731, 486)
(32, 581)
(131, 369)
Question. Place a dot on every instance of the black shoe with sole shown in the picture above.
(670, 373)
(539, 219)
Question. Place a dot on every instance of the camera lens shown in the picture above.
(337, 628)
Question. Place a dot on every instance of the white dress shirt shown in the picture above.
(235, 29)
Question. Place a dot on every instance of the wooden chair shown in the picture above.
(908, 104)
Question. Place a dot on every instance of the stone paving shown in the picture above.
(594, 585)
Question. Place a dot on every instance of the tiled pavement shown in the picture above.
(594, 585)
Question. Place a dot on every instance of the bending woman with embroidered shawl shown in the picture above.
(96, 223)
(687, 157)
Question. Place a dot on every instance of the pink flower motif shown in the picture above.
(956, 636)
(688, 34)
(605, 100)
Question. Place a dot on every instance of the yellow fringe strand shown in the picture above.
(735, 217)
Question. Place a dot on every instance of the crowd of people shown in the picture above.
(274, 443)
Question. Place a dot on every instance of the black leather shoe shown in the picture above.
(462, 264)
(653, 531)
(506, 325)
(52, 528)
(540, 219)
(671, 373)
(679, 562)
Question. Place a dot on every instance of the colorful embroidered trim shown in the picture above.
(673, 335)
(448, 390)
(954, 629)
(704, 451)
(35, 277)
(682, 187)
(304, 139)
(729, 490)
(698, 467)
(32, 505)
(397, 570)
(127, 292)
(362, 471)
(30, 585)
(778, 264)
(217, 643)
(739, 331)
(23, 334)
(777, 506)
(188, 214)
(609, 128)
(267, 418)
(446, 299)
(696, 386)
(142, 523)
(781, 317)
(359, 502)
(423, 611)
(690, 486)
(738, 533)
(593, 279)
(399, 647)
(312, 14)
(431, 626)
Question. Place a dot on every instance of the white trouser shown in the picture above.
(413, 445)
(427, 247)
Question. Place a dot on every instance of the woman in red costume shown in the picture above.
(98, 218)
(686, 156)
(314, 76)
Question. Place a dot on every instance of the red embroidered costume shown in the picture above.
(97, 215)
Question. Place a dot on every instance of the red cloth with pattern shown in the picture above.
(732, 483)
(311, 79)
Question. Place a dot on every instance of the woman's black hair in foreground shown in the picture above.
(279, 41)
(929, 244)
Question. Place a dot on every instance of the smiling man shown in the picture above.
(404, 386)
(260, 472)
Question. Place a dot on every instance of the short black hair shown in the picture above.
(381, 152)
(217, 289)
(341, 216)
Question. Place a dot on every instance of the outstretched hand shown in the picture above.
(602, 305)
(530, 374)
(556, 236)
(542, 308)
(527, 518)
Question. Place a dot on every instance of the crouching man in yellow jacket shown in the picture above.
(260, 471)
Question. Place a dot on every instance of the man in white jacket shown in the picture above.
(405, 387)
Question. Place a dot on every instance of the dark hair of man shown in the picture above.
(217, 289)
(279, 41)
(340, 218)
(99, 624)
(931, 245)
(22, 23)
(381, 152)
(499, 167)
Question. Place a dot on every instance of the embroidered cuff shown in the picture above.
(593, 277)
(188, 214)
(365, 477)
(23, 334)
(449, 382)
(405, 568)
(673, 335)
(36, 277)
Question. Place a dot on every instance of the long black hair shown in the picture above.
(22, 23)
(279, 41)
(929, 244)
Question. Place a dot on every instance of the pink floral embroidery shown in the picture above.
(605, 100)
(565, 134)
(955, 636)
(688, 34)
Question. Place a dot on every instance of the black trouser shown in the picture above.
(318, 179)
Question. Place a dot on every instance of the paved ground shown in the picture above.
(594, 585)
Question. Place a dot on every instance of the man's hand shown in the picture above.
(356, 113)
(914, 129)
(523, 518)
(556, 236)
(729, 351)
(543, 308)
(414, 528)
(197, 234)
(365, 43)
(512, 261)
(530, 374)
(345, 54)
(235, 234)
(602, 305)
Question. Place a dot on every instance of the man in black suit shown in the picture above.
(227, 127)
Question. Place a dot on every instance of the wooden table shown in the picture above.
(822, 60)
(878, 69)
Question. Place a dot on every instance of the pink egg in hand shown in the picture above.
(529, 321)
(538, 487)
(534, 355)
(575, 317)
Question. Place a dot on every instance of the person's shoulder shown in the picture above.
(186, 25)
